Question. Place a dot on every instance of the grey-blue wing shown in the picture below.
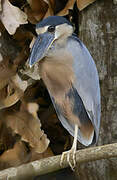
(81, 103)
(73, 113)
(86, 80)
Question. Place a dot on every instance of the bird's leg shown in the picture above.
(71, 154)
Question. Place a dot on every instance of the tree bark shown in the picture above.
(98, 31)
(51, 164)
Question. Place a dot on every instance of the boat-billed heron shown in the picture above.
(70, 75)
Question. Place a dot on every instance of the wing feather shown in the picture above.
(86, 80)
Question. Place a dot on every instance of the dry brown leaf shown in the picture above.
(21, 59)
(15, 85)
(39, 10)
(53, 4)
(39, 6)
(50, 11)
(22, 36)
(9, 100)
(30, 14)
(22, 85)
(3, 83)
(81, 4)
(65, 11)
(12, 17)
(7, 139)
(38, 156)
(28, 126)
(14, 157)
(11, 86)
(6, 72)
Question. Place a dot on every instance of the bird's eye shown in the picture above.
(51, 28)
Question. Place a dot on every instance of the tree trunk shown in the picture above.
(98, 31)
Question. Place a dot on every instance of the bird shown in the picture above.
(70, 75)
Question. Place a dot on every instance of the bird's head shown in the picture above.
(52, 30)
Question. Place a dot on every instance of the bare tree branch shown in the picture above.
(51, 164)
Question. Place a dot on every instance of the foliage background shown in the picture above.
(25, 106)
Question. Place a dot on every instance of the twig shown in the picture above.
(51, 164)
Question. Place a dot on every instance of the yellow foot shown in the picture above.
(71, 158)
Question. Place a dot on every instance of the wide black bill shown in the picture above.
(40, 47)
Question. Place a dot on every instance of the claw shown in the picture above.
(71, 158)
(71, 154)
